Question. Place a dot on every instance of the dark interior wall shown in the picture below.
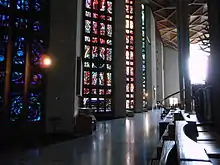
(214, 71)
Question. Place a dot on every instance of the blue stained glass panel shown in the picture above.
(4, 20)
(18, 78)
(36, 51)
(16, 107)
(36, 26)
(36, 78)
(37, 5)
(3, 47)
(2, 77)
(5, 3)
(1, 101)
(21, 23)
(34, 107)
(22, 5)
(19, 55)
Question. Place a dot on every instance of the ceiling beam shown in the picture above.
(156, 3)
(165, 8)
(165, 19)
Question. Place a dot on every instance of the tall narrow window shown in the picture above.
(98, 55)
(26, 39)
(144, 51)
(129, 55)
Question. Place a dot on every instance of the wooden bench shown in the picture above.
(188, 151)
(167, 147)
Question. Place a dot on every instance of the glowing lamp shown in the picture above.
(46, 61)
(146, 94)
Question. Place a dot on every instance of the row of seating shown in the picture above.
(178, 143)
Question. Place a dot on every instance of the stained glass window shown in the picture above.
(4, 20)
(18, 78)
(17, 106)
(37, 5)
(19, 54)
(37, 47)
(22, 5)
(97, 55)
(129, 54)
(26, 40)
(34, 107)
(143, 54)
(4, 24)
(5, 3)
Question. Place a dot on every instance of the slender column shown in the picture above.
(61, 86)
(183, 47)
(214, 60)
(119, 60)
(138, 59)
(153, 61)
(149, 63)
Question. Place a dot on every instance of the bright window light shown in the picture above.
(198, 64)
(173, 101)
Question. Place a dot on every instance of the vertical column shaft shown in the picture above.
(149, 64)
(183, 47)
(119, 60)
(138, 59)
(61, 82)
(214, 60)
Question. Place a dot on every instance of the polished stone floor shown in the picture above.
(129, 141)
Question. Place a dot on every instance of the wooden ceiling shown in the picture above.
(166, 19)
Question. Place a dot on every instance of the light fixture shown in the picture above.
(46, 61)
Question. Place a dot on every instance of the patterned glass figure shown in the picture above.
(88, 4)
(37, 79)
(19, 54)
(3, 46)
(21, 23)
(34, 107)
(16, 107)
(4, 20)
(36, 51)
(5, 3)
(22, 5)
(87, 26)
(18, 78)
(37, 5)
(36, 26)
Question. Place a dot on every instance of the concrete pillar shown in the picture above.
(159, 66)
(214, 60)
(153, 61)
(60, 99)
(138, 59)
(183, 47)
(171, 73)
(149, 63)
(119, 60)
(163, 71)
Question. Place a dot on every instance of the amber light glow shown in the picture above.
(46, 61)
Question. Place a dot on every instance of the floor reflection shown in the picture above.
(129, 141)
